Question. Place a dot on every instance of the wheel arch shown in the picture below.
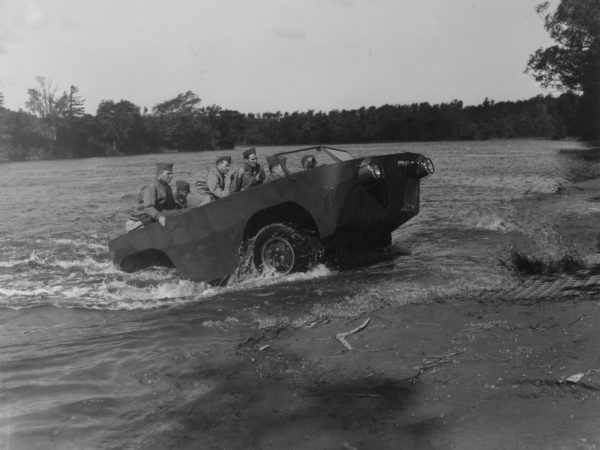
(284, 212)
(145, 258)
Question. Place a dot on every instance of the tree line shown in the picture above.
(57, 127)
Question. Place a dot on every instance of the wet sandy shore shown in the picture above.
(512, 369)
(464, 373)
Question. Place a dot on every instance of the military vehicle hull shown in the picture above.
(362, 196)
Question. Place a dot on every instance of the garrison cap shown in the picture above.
(161, 167)
(249, 152)
(274, 160)
(223, 158)
(182, 186)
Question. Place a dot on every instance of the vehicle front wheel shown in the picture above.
(281, 248)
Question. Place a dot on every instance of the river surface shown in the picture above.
(91, 356)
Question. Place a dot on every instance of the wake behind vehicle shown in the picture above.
(288, 224)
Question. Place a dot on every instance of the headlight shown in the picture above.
(424, 168)
(375, 170)
(369, 172)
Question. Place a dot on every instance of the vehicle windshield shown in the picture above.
(342, 155)
(298, 160)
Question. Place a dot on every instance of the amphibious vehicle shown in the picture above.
(287, 224)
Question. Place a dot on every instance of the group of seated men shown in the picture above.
(157, 197)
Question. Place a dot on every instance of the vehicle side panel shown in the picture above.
(203, 242)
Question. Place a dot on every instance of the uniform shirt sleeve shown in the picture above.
(149, 197)
(236, 181)
(262, 176)
(258, 178)
(212, 181)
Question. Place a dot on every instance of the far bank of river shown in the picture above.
(41, 156)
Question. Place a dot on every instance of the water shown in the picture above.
(91, 357)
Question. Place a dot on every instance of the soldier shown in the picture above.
(183, 189)
(153, 199)
(250, 174)
(217, 182)
(276, 164)
(308, 162)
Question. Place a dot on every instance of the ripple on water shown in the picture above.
(78, 372)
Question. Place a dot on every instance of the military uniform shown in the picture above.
(183, 189)
(152, 200)
(273, 162)
(271, 176)
(216, 185)
(246, 177)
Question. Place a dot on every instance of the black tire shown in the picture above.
(282, 248)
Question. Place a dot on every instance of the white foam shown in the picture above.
(148, 289)
(29, 292)
(16, 262)
(13, 262)
(119, 295)
(270, 278)
(80, 243)
(75, 292)
(494, 223)
(88, 264)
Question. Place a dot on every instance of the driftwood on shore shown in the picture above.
(342, 336)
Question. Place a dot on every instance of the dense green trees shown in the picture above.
(57, 126)
(179, 123)
(121, 128)
(23, 136)
(60, 129)
(573, 63)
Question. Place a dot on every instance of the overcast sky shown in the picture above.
(270, 55)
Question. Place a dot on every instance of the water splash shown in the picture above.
(33, 259)
(94, 282)
(499, 218)
(540, 247)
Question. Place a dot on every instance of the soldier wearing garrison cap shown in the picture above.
(153, 199)
(250, 174)
(183, 189)
(248, 152)
(217, 182)
(276, 164)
